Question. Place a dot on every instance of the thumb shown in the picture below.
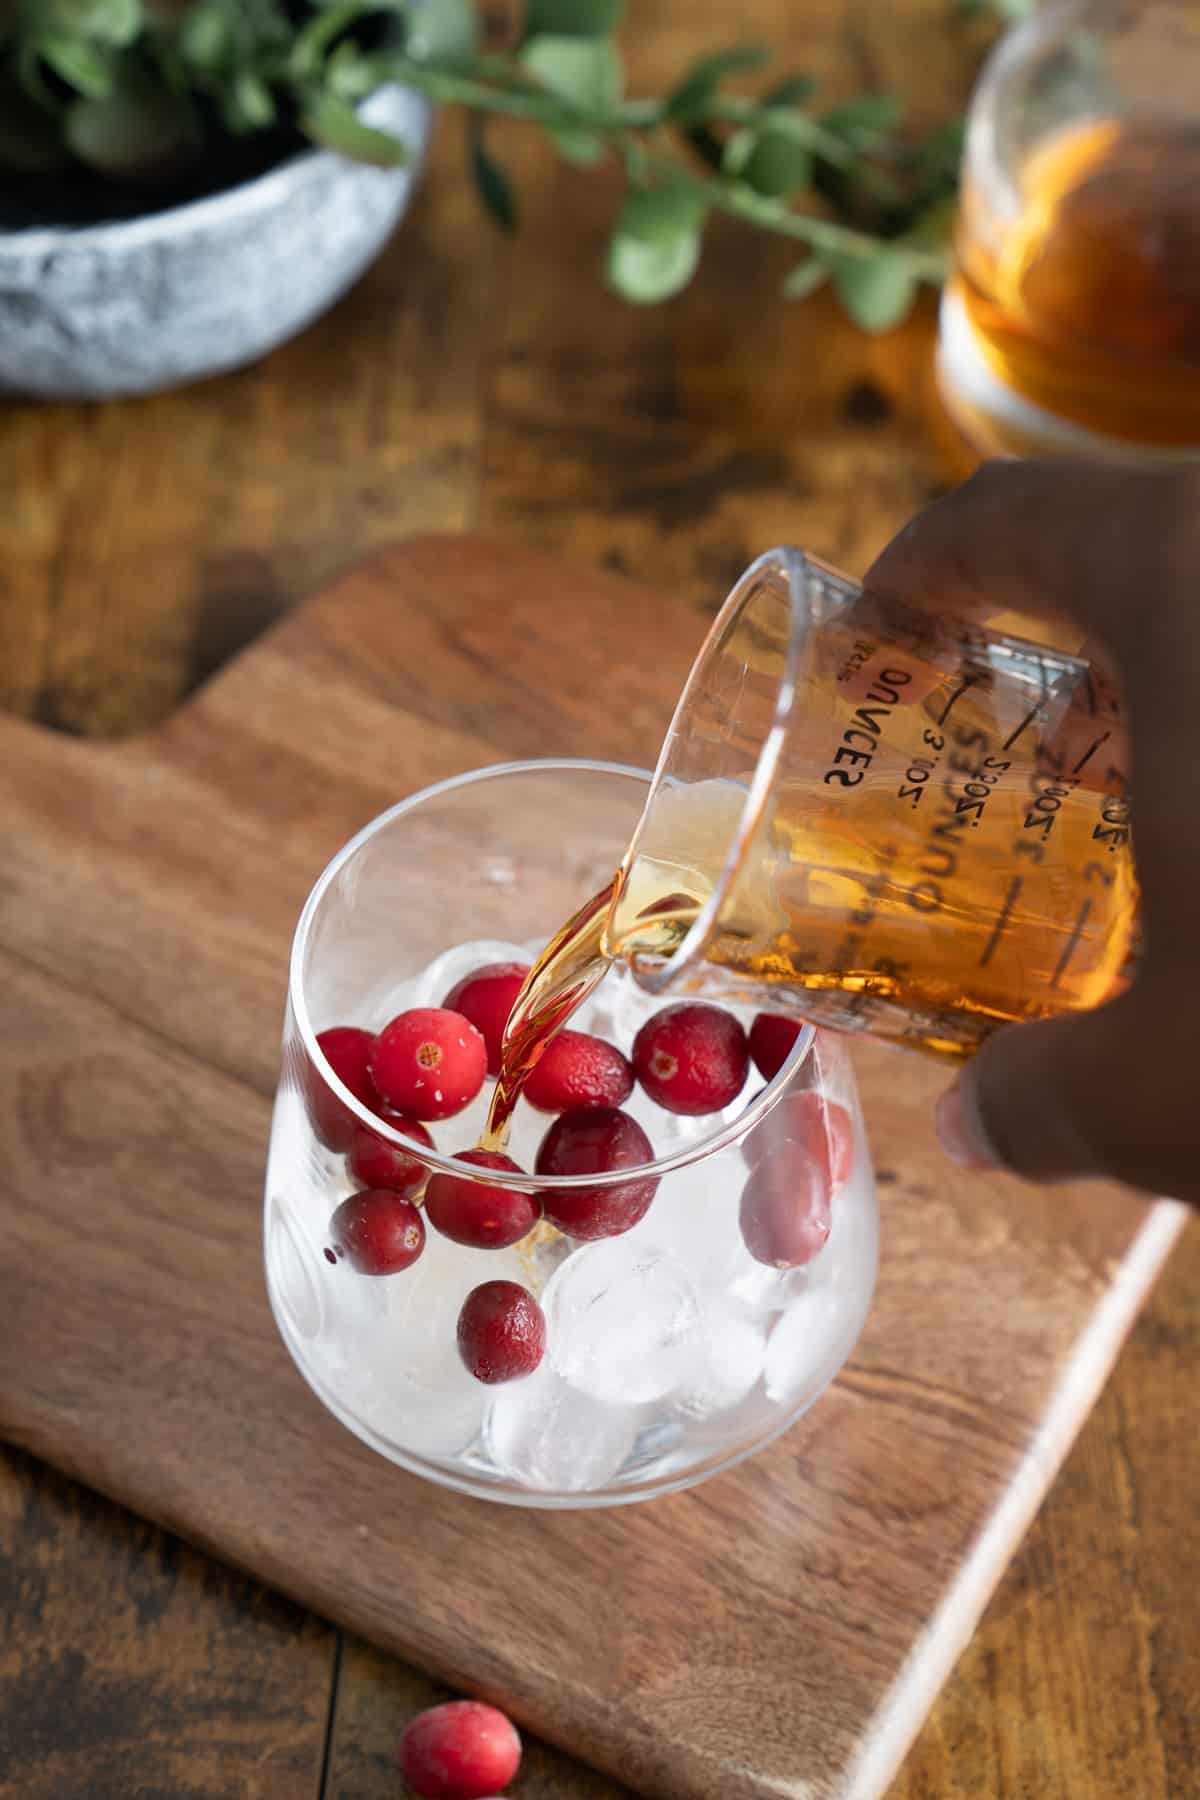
(1091, 1093)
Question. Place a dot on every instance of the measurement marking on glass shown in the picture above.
(1025, 723)
(1088, 754)
(1091, 692)
(956, 696)
(1072, 943)
(1010, 900)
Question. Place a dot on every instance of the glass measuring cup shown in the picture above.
(882, 819)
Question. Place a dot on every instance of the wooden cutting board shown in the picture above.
(778, 1632)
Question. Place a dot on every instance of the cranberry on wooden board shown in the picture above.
(429, 1063)
(463, 1750)
(692, 1058)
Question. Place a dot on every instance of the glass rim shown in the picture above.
(983, 160)
(793, 565)
(730, 1133)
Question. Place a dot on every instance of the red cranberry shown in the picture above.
(486, 998)
(691, 1058)
(577, 1070)
(461, 1751)
(471, 1212)
(378, 1164)
(501, 1332)
(347, 1050)
(429, 1063)
(596, 1142)
(378, 1232)
(785, 1216)
(771, 1042)
(823, 1130)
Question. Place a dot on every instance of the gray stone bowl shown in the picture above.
(137, 305)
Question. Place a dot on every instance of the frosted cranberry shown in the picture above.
(771, 1042)
(471, 1212)
(691, 1058)
(429, 1063)
(596, 1142)
(378, 1232)
(577, 1070)
(461, 1751)
(501, 1332)
(347, 1050)
(819, 1127)
(486, 998)
(378, 1164)
(785, 1214)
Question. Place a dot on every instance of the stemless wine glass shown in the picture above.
(674, 1349)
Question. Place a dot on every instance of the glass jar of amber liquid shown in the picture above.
(1073, 324)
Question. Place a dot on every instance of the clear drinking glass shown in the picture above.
(671, 1351)
(882, 819)
(1073, 324)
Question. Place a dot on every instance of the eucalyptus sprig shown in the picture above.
(136, 89)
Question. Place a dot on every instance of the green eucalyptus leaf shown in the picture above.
(574, 145)
(495, 189)
(333, 122)
(660, 215)
(250, 104)
(139, 129)
(441, 31)
(877, 291)
(29, 138)
(738, 149)
(934, 228)
(205, 37)
(115, 22)
(864, 122)
(1011, 11)
(646, 273)
(806, 278)
(84, 66)
(586, 72)
(793, 90)
(694, 94)
(350, 74)
(656, 241)
(573, 18)
(31, 75)
(777, 164)
(312, 44)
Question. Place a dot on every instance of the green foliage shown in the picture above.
(142, 89)
(585, 72)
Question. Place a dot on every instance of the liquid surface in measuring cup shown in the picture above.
(946, 847)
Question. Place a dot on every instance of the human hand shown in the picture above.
(1116, 550)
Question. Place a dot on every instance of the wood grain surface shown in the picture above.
(469, 381)
(149, 893)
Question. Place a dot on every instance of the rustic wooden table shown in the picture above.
(471, 383)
